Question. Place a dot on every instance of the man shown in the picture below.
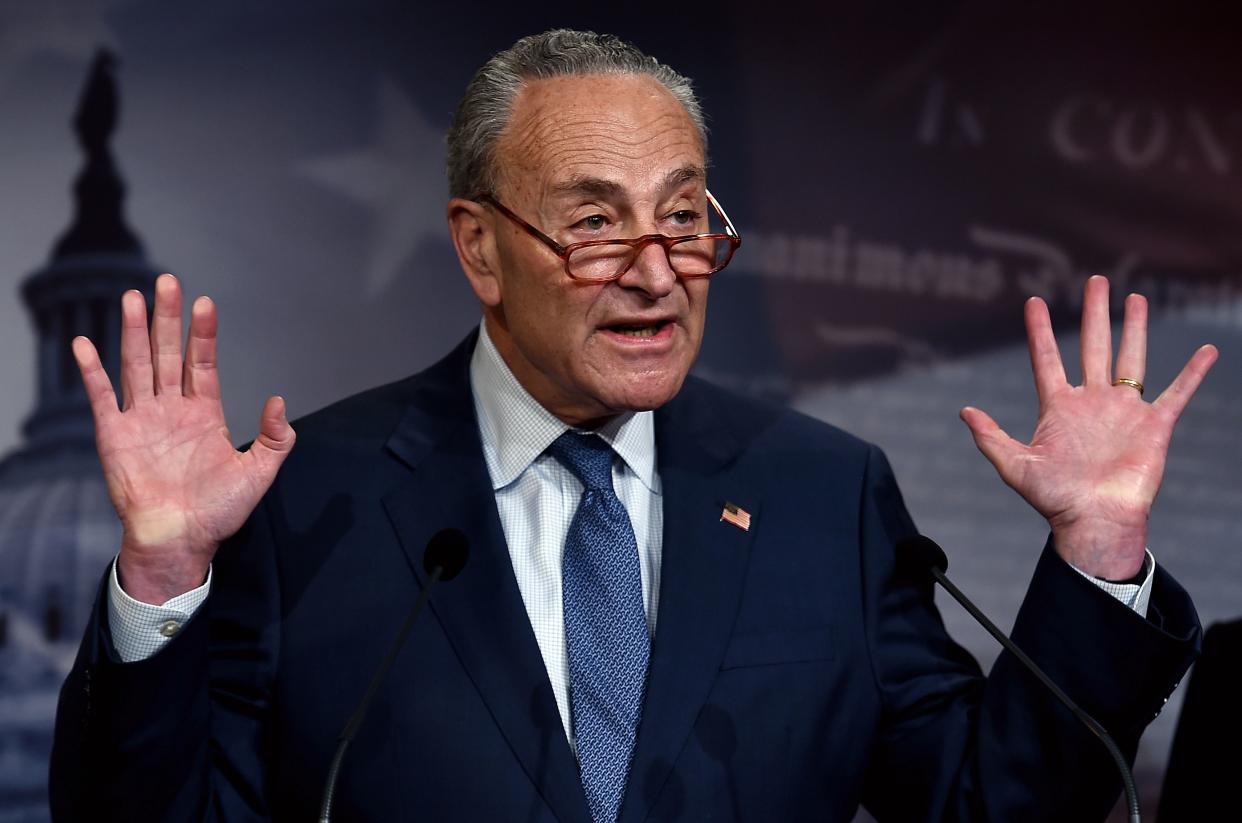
(679, 605)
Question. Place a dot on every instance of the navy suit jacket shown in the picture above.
(796, 671)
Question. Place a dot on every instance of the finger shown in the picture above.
(1001, 450)
(1045, 356)
(1097, 336)
(136, 375)
(1178, 394)
(99, 392)
(275, 441)
(201, 379)
(1132, 354)
(166, 335)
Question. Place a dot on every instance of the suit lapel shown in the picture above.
(702, 574)
(481, 611)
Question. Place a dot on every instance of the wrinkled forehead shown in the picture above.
(623, 133)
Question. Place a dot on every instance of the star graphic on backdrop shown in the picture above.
(399, 176)
(63, 28)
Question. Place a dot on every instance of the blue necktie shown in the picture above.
(605, 625)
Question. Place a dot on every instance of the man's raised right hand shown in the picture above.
(178, 484)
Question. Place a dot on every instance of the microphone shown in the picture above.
(443, 559)
(919, 555)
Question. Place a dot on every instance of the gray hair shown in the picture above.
(484, 110)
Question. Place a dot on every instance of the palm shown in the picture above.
(174, 454)
(1091, 451)
(178, 484)
(1096, 459)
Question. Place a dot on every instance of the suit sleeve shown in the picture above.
(180, 735)
(955, 745)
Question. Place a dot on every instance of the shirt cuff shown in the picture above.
(1134, 595)
(139, 630)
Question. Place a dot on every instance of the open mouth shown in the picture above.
(639, 331)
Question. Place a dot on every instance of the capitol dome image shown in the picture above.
(58, 530)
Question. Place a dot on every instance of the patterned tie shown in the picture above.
(605, 625)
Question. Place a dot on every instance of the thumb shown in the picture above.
(1001, 450)
(275, 440)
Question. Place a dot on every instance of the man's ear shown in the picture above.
(474, 238)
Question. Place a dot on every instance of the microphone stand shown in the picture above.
(1087, 720)
(355, 720)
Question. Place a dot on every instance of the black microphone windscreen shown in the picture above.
(920, 554)
(448, 549)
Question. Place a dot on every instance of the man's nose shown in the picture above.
(650, 272)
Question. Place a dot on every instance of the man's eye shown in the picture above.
(595, 222)
(685, 217)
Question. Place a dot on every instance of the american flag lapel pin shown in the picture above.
(735, 514)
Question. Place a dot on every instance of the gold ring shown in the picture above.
(1126, 381)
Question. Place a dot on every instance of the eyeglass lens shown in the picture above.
(687, 258)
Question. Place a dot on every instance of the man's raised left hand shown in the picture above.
(1096, 459)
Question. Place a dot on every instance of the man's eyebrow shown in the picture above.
(593, 186)
(610, 189)
(683, 175)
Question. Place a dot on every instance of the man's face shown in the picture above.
(588, 158)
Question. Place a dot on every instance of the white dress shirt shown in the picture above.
(536, 497)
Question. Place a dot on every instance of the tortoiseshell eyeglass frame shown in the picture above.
(635, 243)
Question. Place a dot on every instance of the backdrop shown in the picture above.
(901, 183)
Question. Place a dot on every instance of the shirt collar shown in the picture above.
(516, 430)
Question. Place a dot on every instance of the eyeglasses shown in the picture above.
(599, 261)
